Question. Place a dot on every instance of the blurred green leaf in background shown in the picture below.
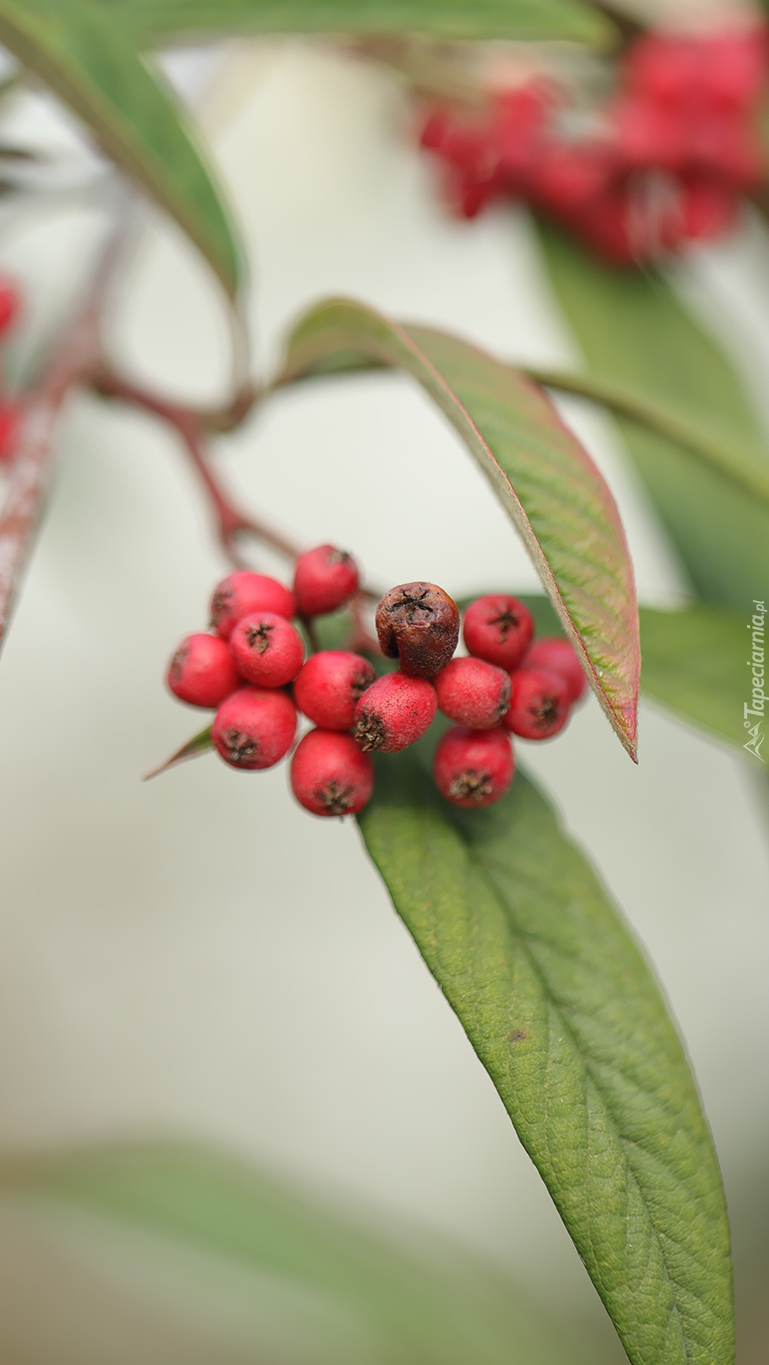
(271, 1275)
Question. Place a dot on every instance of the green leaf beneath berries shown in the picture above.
(634, 331)
(86, 59)
(564, 1013)
(517, 19)
(548, 485)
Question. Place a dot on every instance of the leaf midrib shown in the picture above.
(598, 1085)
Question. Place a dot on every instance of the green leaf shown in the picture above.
(695, 663)
(199, 744)
(520, 19)
(633, 330)
(548, 485)
(361, 1297)
(82, 54)
(563, 1011)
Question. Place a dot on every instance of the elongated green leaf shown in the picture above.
(546, 482)
(451, 18)
(564, 1013)
(81, 53)
(371, 1299)
(632, 329)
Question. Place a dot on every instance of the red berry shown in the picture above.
(520, 116)
(330, 685)
(243, 592)
(473, 692)
(647, 134)
(498, 629)
(664, 67)
(611, 227)
(473, 768)
(559, 656)
(324, 579)
(395, 712)
(539, 703)
(10, 304)
(418, 624)
(267, 649)
(330, 775)
(568, 177)
(10, 420)
(254, 727)
(726, 146)
(709, 208)
(737, 75)
(435, 130)
(202, 672)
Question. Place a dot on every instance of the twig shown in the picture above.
(189, 423)
(108, 384)
(73, 357)
(231, 523)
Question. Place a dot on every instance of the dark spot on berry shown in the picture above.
(222, 599)
(507, 620)
(238, 746)
(471, 785)
(545, 713)
(410, 603)
(177, 664)
(360, 684)
(336, 799)
(258, 637)
(370, 732)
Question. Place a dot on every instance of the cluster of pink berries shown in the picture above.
(254, 673)
(666, 162)
(10, 306)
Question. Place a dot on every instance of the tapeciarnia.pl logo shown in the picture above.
(755, 707)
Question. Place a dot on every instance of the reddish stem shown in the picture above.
(231, 522)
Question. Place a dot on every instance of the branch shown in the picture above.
(190, 425)
(108, 384)
(74, 356)
(231, 523)
(736, 464)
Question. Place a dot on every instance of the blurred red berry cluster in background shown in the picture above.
(666, 161)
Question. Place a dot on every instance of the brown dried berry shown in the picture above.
(418, 623)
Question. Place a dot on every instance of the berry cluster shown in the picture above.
(10, 306)
(253, 672)
(664, 163)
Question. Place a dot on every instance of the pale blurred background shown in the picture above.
(197, 957)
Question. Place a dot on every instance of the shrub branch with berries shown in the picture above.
(637, 149)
